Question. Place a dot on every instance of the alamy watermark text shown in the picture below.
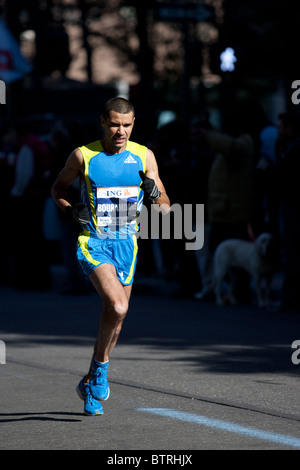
(2, 92)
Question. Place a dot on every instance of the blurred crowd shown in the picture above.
(245, 174)
(30, 162)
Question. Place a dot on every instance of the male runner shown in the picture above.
(115, 174)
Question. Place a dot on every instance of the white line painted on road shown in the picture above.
(225, 426)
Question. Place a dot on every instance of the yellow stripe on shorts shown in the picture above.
(129, 277)
(83, 240)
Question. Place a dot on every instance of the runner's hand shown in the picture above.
(149, 187)
(78, 213)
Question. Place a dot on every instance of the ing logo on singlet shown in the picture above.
(117, 206)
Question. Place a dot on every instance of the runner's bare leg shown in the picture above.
(115, 297)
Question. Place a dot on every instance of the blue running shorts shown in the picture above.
(121, 253)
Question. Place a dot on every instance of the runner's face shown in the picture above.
(118, 128)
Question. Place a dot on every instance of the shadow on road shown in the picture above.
(239, 339)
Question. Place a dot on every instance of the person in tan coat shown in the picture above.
(230, 198)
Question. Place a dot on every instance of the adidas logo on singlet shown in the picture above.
(130, 159)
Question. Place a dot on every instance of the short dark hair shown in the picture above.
(119, 105)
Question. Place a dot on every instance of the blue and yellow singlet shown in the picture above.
(111, 189)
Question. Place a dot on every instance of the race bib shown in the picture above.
(117, 206)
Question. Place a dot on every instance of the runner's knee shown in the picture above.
(119, 308)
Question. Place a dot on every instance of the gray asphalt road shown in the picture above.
(185, 376)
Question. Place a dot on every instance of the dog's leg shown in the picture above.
(219, 272)
(267, 291)
(233, 277)
(218, 291)
(258, 292)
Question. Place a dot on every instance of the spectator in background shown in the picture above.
(264, 134)
(7, 158)
(162, 256)
(202, 156)
(60, 145)
(230, 199)
(29, 191)
(175, 157)
(289, 207)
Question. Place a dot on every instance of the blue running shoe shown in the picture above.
(98, 381)
(92, 407)
(80, 389)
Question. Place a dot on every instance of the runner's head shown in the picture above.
(117, 121)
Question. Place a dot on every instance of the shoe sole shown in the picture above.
(93, 414)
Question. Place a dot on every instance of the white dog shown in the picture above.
(257, 258)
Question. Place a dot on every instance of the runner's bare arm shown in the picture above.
(73, 168)
(152, 172)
